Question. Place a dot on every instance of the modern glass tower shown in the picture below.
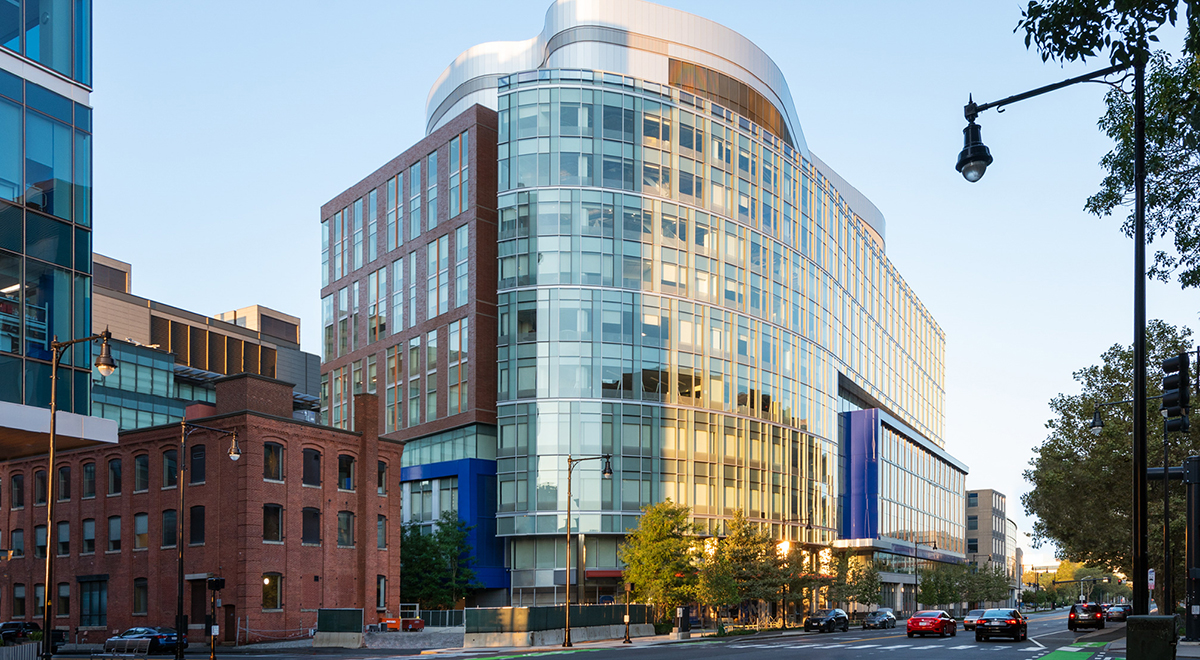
(45, 207)
(682, 284)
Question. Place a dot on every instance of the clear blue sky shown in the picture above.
(221, 128)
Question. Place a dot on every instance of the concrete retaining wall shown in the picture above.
(555, 637)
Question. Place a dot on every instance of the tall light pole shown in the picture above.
(607, 474)
(973, 161)
(106, 366)
(187, 428)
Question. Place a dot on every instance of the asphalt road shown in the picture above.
(1047, 633)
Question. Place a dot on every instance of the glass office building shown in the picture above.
(45, 199)
(680, 284)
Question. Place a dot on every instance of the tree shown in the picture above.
(867, 583)
(660, 556)
(436, 565)
(1069, 30)
(941, 585)
(715, 585)
(840, 589)
(754, 561)
(1081, 483)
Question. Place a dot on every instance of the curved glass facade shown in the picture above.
(680, 288)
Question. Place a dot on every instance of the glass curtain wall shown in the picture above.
(680, 288)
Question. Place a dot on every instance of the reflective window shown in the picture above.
(273, 461)
(272, 591)
(345, 529)
(273, 523)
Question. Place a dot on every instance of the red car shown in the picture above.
(927, 622)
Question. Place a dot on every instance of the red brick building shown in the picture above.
(307, 518)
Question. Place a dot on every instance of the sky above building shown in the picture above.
(221, 127)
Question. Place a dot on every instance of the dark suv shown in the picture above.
(827, 621)
(15, 632)
(1085, 615)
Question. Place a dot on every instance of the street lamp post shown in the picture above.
(106, 366)
(607, 474)
(973, 161)
(186, 429)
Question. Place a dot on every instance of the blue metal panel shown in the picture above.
(476, 507)
(862, 475)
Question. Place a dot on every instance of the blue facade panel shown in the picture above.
(476, 507)
(861, 509)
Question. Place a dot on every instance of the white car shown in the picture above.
(970, 618)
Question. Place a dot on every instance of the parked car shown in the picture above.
(1085, 615)
(932, 621)
(160, 637)
(1118, 612)
(15, 632)
(827, 621)
(881, 618)
(1002, 623)
(969, 619)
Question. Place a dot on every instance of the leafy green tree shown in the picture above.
(984, 584)
(1126, 31)
(941, 585)
(715, 585)
(1081, 483)
(840, 589)
(754, 561)
(660, 557)
(436, 565)
(868, 585)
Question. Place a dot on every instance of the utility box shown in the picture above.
(1151, 637)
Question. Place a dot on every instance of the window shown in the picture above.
(311, 532)
(39, 599)
(141, 596)
(458, 174)
(380, 592)
(18, 543)
(141, 473)
(437, 272)
(39, 488)
(462, 253)
(972, 522)
(414, 201)
(89, 537)
(63, 606)
(64, 483)
(170, 476)
(456, 381)
(62, 537)
(18, 608)
(196, 469)
(972, 500)
(169, 528)
(345, 529)
(431, 194)
(345, 472)
(114, 534)
(141, 531)
(273, 523)
(381, 478)
(196, 532)
(273, 461)
(972, 545)
(39, 542)
(431, 377)
(312, 467)
(272, 592)
(381, 532)
(93, 603)
(412, 288)
(89, 480)
(114, 477)
(18, 491)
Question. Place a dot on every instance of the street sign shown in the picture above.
(1151, 579)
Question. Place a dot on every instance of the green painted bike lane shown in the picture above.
(1076, 651)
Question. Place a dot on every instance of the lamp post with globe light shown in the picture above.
(106, 366)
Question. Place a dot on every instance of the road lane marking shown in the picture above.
(964, 646)
(862, 646)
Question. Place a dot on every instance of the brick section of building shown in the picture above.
(479, 311)
(233, 494)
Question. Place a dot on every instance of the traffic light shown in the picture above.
(1176, 392)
